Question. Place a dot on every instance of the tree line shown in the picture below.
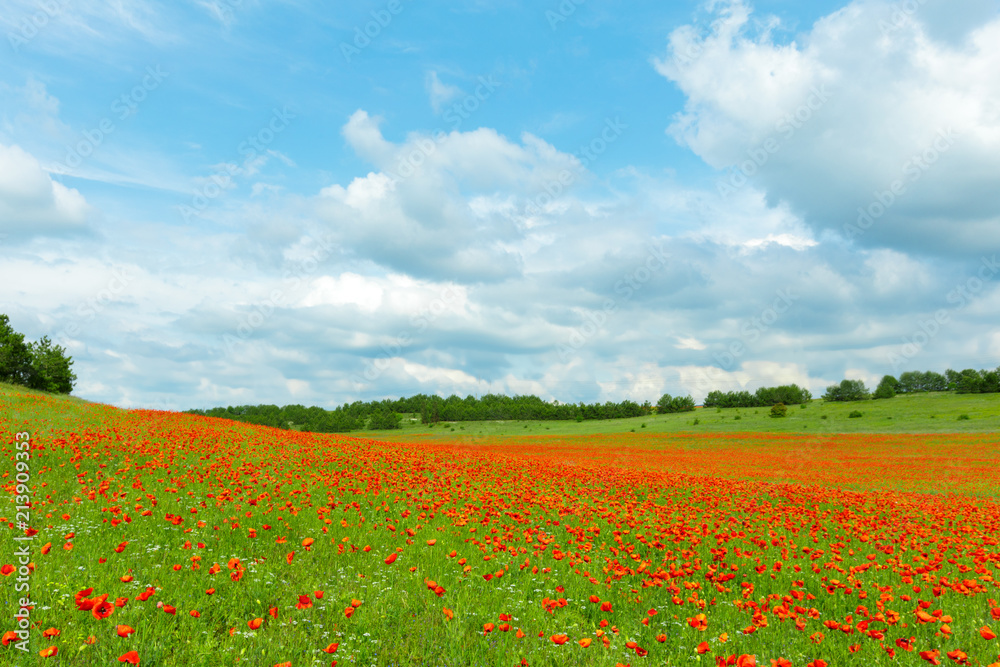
(385, 414)
(764, 397)
(40, 365)
(969, 381)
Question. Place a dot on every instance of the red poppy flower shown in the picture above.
(131, 658)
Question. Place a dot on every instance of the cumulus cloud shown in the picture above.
(866, 124)
(432, 208)
(31, 203)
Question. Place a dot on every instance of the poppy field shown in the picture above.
(159, 538)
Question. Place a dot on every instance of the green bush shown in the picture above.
(779, 410)
(854, 414)
(963, 417)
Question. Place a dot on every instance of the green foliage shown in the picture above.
(971, 381)
(855, 414)
(912, 382)
(384, 419)
(847, 390)
(779, 410)
(671, 405)
(764, 397)
(886, 387)
(40, 365)
(963, 417)
(15, 355)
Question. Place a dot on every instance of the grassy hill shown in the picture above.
(920, 413)
(939, 412)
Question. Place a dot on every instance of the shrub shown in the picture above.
(696, 421)
(854, 414)
(779, 410)
(963, 417)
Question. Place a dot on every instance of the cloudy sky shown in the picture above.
(218, 202)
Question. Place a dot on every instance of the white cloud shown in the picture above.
(439, 93)
(829, 122)
(31, 203)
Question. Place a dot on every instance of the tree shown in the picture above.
(847, 390)
(668, 405)
(682, 404)
(969, 382)
(886, 387)
(384, 418)
(15, 355)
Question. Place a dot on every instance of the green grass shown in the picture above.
(937, 412)
(921, 413)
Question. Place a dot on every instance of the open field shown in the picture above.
(195, 541)
(919, 413)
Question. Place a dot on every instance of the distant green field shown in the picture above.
(921, 413)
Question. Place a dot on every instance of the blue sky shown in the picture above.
(222, 202)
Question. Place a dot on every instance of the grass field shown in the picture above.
(920, 413)
(168, 539)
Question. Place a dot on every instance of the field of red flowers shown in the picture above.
(164, 539)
